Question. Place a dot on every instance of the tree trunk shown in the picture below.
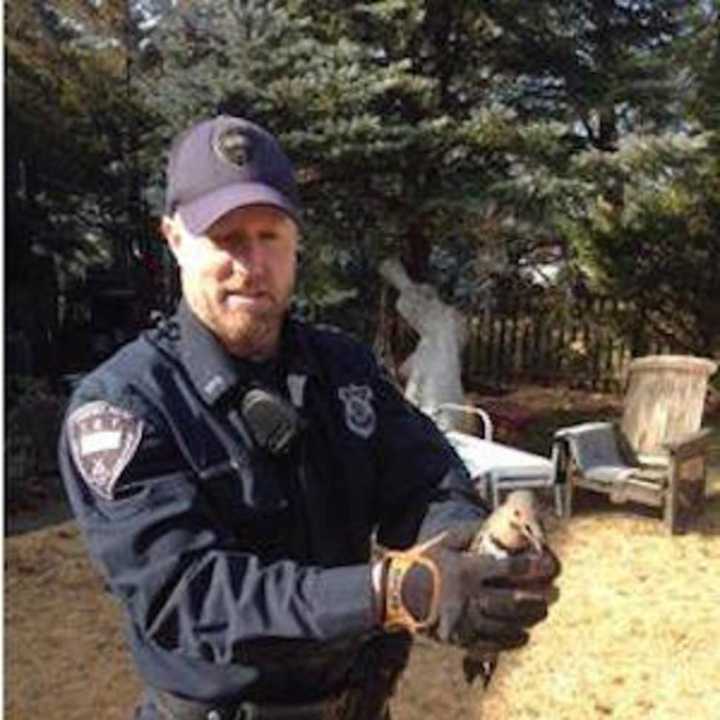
(416, 252)
(434, 369)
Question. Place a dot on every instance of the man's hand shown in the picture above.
(462, 598)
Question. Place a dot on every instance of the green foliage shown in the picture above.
(480, 141)
(659, 252)
(21, 389)
(33, 415)
(376, 103)
(67, 119)
(470, 138)
(646, 230)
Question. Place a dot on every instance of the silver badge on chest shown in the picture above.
(359, 413)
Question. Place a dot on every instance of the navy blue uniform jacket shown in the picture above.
(246, 575)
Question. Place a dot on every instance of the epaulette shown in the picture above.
(327, 327)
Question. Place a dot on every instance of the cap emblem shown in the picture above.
(233, 146)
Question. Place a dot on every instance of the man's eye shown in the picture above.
(269, 236)
(226, 240)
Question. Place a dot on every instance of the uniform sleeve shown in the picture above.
(186, 586)
(424, 485)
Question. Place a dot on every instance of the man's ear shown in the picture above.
(170, 228)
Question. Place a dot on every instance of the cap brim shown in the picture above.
(200, 214)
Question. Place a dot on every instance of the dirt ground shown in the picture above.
(633, 635)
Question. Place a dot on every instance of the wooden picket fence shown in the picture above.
(578, 346)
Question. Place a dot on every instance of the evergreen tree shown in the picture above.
(396, 144)
(658, 250)
(430, 97)
(70, 196)
(475, 139)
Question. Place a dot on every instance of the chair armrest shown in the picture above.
(581, 429)
(658, 461)
(487, 431)
(690, 444)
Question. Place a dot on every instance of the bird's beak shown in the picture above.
(534, 533)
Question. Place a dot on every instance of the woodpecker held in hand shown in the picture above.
(513, 527)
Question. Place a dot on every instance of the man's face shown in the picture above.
(239, 276)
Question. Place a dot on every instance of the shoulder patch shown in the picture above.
(103, 439)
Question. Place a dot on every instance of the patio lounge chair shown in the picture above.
(496, 467)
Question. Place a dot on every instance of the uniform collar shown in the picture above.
(296, 356)
(215, 372)
(210, 366)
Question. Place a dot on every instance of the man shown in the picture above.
(232, 469)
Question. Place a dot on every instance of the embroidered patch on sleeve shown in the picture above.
(103, 440)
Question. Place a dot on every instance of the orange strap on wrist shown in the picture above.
(397, 616)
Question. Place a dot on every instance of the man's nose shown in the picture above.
(250, 257)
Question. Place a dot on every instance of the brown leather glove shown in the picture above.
(463, 598)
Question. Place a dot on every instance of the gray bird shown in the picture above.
(513, 527)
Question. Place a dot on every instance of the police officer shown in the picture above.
(233, 468)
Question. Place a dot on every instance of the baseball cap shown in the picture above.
(224, 163)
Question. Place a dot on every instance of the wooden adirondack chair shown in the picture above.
(657, 454)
